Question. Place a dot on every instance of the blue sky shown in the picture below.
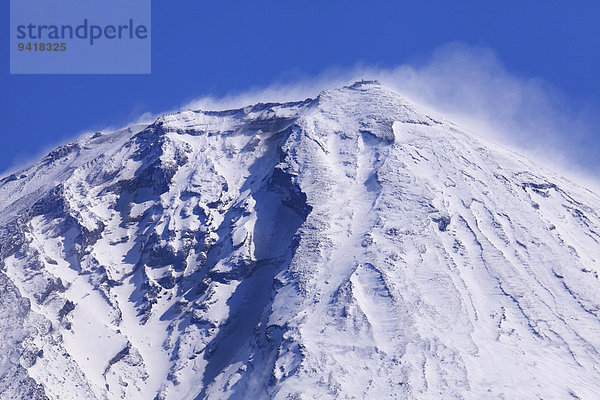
(549, 50)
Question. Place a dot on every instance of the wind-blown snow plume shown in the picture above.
(471, 86)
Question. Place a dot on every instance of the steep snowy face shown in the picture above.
(350, 246)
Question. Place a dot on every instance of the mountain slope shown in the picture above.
(350, 246)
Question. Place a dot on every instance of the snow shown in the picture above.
(349, 246)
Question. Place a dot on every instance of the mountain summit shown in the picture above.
(351, 246)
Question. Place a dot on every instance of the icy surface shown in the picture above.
(350, 246)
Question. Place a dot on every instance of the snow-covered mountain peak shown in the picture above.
(354, 245)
